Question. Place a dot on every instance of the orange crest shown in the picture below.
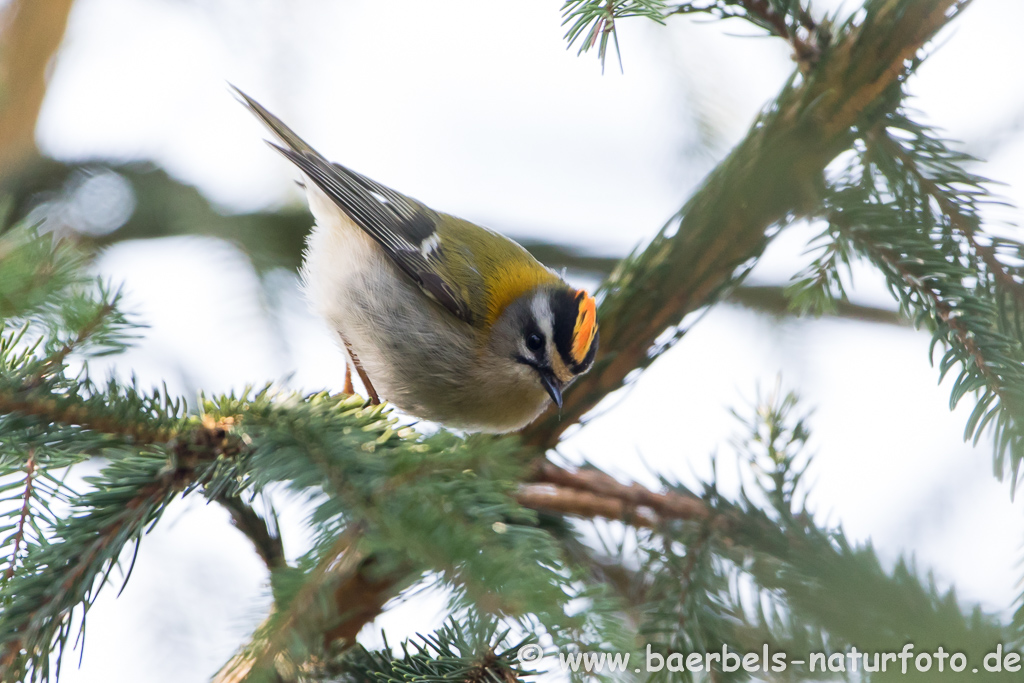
(586, 326)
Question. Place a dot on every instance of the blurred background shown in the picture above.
(134, 146)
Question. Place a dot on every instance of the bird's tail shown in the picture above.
(274, 124)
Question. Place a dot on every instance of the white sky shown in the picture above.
(478, 109)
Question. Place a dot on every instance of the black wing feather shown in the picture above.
(398, 224)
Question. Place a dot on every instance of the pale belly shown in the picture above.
(417, 355)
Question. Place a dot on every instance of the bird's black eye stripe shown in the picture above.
(534, 341)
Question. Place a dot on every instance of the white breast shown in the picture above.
(418, 356)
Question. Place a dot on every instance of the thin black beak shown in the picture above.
(553, 386)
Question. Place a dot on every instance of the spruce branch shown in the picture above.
(773, 577)
(36, 272)
(773, 175)
(83, 334)
(988, 358)
(594, 20)
(963, 220)
(321, 620)
(819, 288)
(453, 654)
(85, 413)
(437, 504)
(23, 515)
(906, 204)
(63, 575)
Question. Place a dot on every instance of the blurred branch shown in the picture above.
(772, 176)
(264, 534)
(165, 207)
(769, 299)
(30, 33)
(772, 300)
(261, 659)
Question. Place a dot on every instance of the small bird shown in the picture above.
(444, 319)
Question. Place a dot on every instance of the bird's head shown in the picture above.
(552, 332)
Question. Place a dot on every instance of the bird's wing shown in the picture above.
(405, 229)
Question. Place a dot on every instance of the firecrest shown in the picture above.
(446, 320)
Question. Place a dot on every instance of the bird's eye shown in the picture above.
(534, 341)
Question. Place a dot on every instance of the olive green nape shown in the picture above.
(493, 270)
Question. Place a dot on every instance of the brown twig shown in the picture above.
(806, 53)
(583, 504)
(772, 300)
(630, 497)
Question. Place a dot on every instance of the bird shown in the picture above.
(446, 320)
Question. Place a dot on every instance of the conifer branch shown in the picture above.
(73, 411)
(23, 515)
(966, 225)
(335, 602)
(774, 174)
(360, 597)
(89, 544)
(84, 334)
(455, 653)
(911, 209)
